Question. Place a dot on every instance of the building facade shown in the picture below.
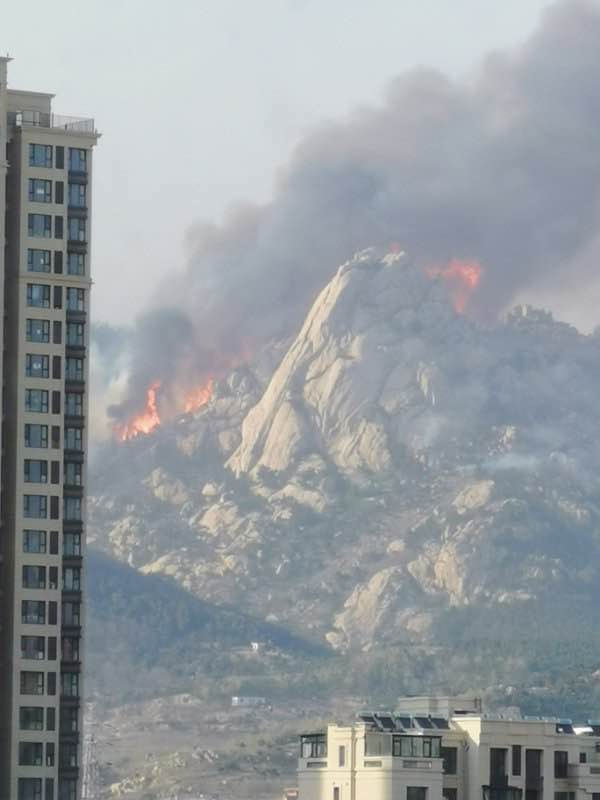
(434, 749)
(45, 212)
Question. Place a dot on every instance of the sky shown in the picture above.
(201, 102)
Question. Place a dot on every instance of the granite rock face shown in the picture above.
(393, 462)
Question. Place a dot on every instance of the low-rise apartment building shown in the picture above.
(445, 749)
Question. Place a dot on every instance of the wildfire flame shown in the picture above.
(146, 421)
(198, 397)
(462, 279)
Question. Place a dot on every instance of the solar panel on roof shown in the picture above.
(406, 722)
(386, 721)
(564, 727)
(368, 719)
(441, 723)
(424, 722)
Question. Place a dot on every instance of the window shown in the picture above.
(54, 507)
(77, 229)
(583, 759)
(68, 755)
(72, 508)
(52, 683)
(336, 793)
(313, 746)
(67, 789)
(36, 436)
(59, 192)
(69, 720)
(449, 794)
(38, 260)
(39, 225)
(53, 577)
(37, 366)
(52, 612)
(73, 439)
(76, 264)
(49, 756)
(341, 756)
(31, 718)
(40, 155)
(38, 330)
(561, 761)
(59, 225)
(416, 746)
(36, 400)
(34, 541)
(70, 648)
(30, 788)
(70, 613)
(55, 402)
(416, 793)
(71, 579)
(34, 577)
(77, 195)
(57, 332)
(54, 543)
(58, 262)
(60, 164)
(516, 759)
(75, 334)
(56, 436)
(73, 474)
(33, 612)
(72, 544)
(58, 293)
(449, 756)
(56, 367)
(74, 404)
(32, 683)
(74, 369)
(69, 684)
(77, 159)
(31, 754)
(33, 647)
(75, 299)
(50, 719)
(38, 296)
(52, 648)
(40, 191)
(35, 506)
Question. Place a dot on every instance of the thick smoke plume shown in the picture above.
(503, 168)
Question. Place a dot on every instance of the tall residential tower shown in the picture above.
(45, 205)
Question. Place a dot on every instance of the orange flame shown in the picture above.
(146, 421)
(198, 397)
(462, 279)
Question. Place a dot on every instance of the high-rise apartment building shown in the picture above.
(45, 207)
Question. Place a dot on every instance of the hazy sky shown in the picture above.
(201, 101)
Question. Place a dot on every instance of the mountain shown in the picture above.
(397, 475)
(156, 633)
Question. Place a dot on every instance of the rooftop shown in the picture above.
(49, 120)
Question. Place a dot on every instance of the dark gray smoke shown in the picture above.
(504, 168)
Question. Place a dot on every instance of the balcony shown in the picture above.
(76, 246)
(76, 315)
(59, 122)
(501, 792)
(75, 349)
(578, 772)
